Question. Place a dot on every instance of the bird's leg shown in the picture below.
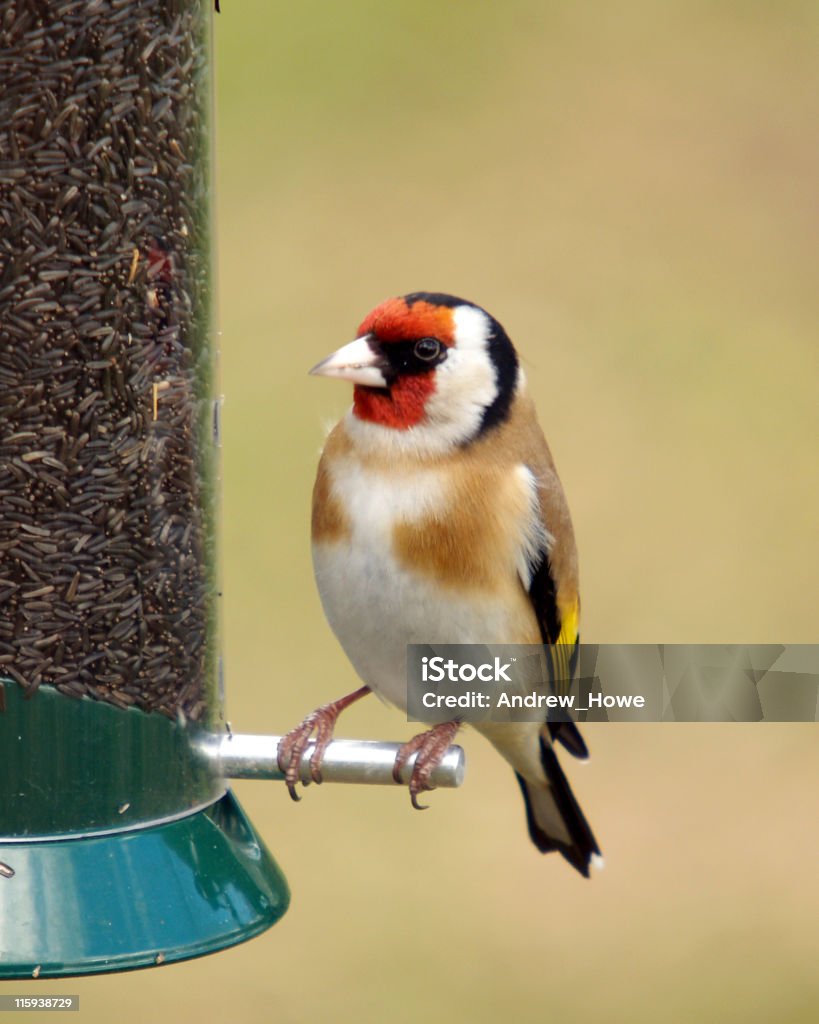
(430, 747)
(322, 721)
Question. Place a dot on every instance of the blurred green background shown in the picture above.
(631, 190)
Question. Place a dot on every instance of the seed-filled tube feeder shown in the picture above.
(121, 844)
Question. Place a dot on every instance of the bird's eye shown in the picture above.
(427, 349)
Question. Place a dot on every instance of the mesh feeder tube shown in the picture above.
(120, 845)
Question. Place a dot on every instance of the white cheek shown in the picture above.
(466, 384)
(465, 387)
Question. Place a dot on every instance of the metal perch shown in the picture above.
(367, 762)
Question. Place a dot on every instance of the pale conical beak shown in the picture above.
(356, 362)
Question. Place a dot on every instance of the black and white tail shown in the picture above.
(554, 816)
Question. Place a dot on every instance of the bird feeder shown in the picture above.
(121, 844)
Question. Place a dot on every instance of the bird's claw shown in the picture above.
(291, 749)
(293, 745)
(430, 748)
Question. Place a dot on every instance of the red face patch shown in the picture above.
(394, 320)
(401, 407)
(404, 404)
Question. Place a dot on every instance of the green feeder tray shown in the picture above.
(119, 846)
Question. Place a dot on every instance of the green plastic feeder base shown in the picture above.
(137, 898)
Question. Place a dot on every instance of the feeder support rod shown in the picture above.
(362, 762)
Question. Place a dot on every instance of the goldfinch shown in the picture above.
(439, 518)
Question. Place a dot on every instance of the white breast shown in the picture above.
(377, 606)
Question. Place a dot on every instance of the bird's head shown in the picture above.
(430, 372)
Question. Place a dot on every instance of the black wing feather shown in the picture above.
(543, 595)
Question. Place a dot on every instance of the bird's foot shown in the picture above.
(322, 722)
(430, 746)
